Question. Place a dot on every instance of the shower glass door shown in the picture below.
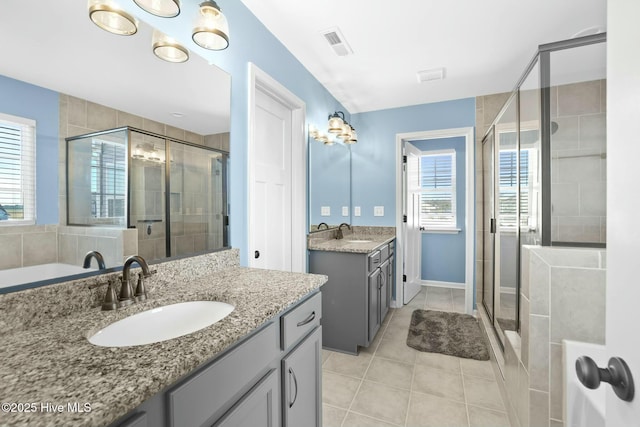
(197, 202)
(488, 222)
(147, 194)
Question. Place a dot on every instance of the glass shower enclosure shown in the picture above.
(544, 169)
(173, 192)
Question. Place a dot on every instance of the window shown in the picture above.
(438, 189)
(17, 170)
(509, 185)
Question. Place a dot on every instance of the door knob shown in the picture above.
(256, 254)
(617, 373)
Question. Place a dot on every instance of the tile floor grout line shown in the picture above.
(464, 393)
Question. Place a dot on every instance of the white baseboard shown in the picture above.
(437, 284)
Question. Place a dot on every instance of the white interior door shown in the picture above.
(623, 236)
(412, 233)
(271, 213)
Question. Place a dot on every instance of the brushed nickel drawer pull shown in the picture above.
(308, 319)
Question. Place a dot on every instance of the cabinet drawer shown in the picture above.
(202, 396)
(374, 261)
(384, 253)
(301, 320)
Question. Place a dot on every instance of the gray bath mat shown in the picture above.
(454, 334)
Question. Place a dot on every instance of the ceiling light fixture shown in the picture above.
(106, 15)
(211, 30)
(336, 122)
(161, 8)
(167, 49)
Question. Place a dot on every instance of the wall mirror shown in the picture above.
(54, 48)
(329, 184)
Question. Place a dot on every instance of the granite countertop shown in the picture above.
(359, 240)
(53, 363)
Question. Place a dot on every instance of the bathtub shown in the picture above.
(582, 407)
(38, 273)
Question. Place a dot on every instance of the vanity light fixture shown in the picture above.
(161, 8)
(211, 30)
(336, 122)
(353, 138)
(167, 49)
(108, 16)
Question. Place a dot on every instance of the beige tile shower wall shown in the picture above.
(487, 109)
(28, 245)
(562, 297)
(115, 245)
(578, 174)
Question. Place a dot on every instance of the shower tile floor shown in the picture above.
(390, 384)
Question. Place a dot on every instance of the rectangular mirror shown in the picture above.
(84, 80)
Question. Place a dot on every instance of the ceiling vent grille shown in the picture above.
(336, 40)
(430, 75)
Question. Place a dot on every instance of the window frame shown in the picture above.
(452, 225)
(27, 167)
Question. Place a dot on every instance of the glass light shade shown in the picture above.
(211, 30)
(313, 132)
(167, 49)
(335, 124)
(323, 138)
(106, 15)
(329, 142)
(353, 138)
(345, 132)
(137, 152)
(161, 8)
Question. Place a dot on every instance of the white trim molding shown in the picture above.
(259, 80)
(470, 206)
(438, 284)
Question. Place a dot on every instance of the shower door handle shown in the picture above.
(493, 226)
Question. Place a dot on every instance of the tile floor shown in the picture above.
(390, 384)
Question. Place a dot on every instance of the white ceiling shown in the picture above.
(483, 44)
(53, 44)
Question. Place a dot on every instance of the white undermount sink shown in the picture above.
(359, 241)
(161, 324)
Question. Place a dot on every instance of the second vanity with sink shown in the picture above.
(356, 298)
(257, 365)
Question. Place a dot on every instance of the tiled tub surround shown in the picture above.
(562, 297)
(47, 358)
(326, 240)
(43, 244)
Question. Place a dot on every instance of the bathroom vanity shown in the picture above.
(260, 365)
(357, 296)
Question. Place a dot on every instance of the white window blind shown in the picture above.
(509, 185)
(108, 179)
(17, 170)
(438, 190)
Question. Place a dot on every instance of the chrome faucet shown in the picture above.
(127, 296)
(339, 235)
(99, 258)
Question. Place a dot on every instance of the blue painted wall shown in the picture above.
(443, 255)
(42, 105)
(374, 156)
(329, 182)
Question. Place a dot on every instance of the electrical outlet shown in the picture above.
(345, 211)
(325, 211)
(356, 211)
(378, 211)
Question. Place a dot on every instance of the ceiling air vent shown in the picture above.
(337, 41)
(429, 75)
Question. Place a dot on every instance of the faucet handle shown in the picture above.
(110, 301)
(141, 291)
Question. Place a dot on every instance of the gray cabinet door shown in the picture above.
(302, 383)
(258, 408)
(374, 303)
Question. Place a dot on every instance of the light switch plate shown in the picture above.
(378, 211)
(345, 211)
(356, 211)
(325, 211)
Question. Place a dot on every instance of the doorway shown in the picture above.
(277, 175)
(405, 259)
